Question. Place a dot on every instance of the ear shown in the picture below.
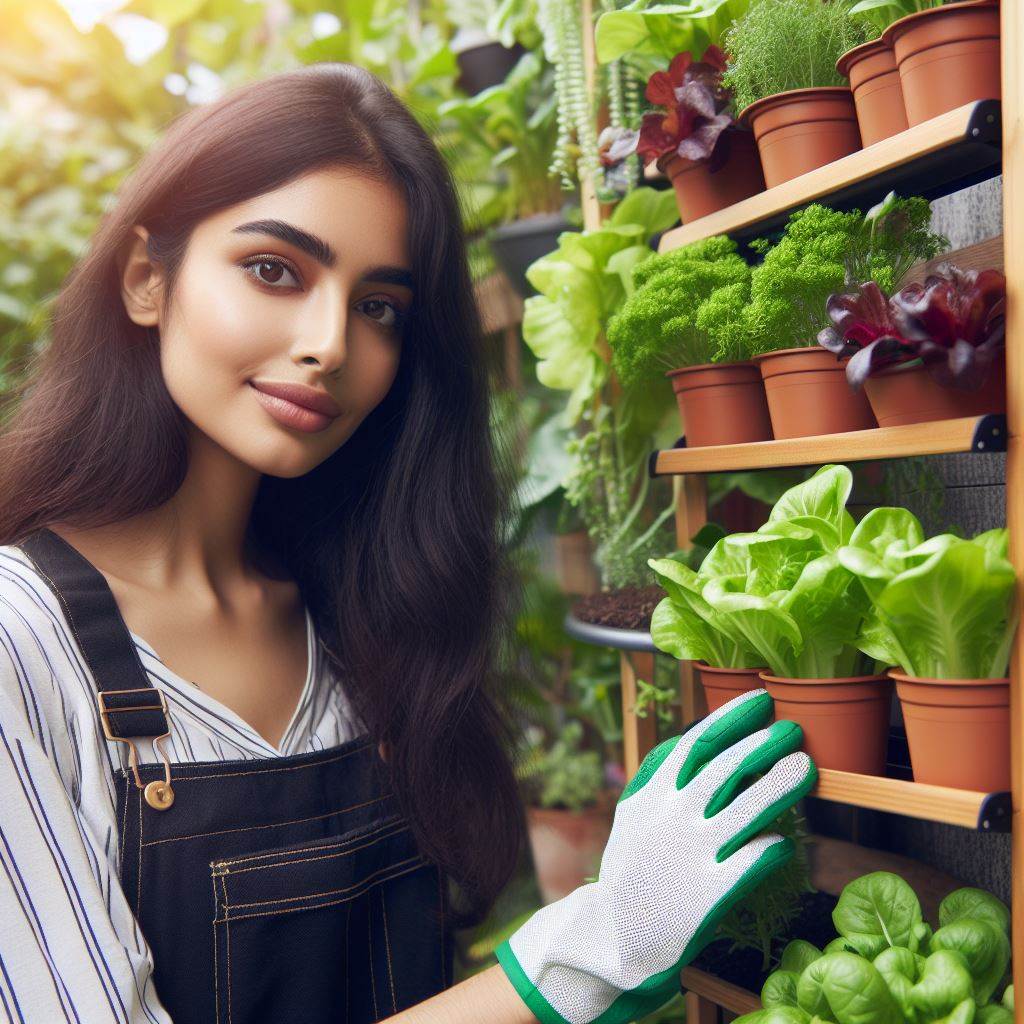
(142, 281)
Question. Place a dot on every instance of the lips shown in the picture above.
(300, 394)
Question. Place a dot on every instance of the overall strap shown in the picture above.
(129, 704)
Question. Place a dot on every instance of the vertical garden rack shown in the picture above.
(932, 159)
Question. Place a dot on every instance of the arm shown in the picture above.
(70, 948)
(464, 1003)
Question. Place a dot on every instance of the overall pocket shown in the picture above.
(321, 931)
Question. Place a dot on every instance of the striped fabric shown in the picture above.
(70, 948)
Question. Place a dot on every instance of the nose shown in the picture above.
(322, 336)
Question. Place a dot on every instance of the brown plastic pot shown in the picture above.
(567, 845)
(722, 684)
(802, 129)
(700, 191)
(958, 731)
(877, 93)
(909, 394)
(808, 394)
(947, 56)
(721, 403)
(845, 721)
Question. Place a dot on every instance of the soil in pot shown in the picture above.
(947, 56)
(721, 404)
(877, 93)
(701, 190)
(625, 608)
(567, 845)
(722, 684)
(808, 394)
(845, 721)
(802, 129)
(958, 731)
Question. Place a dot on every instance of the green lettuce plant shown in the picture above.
(887, 965)
(882, 13)
(780, 45)
(940, 608)
(687, 308)
(823, 251)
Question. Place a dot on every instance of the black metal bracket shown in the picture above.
(652, 459)
(995, 813)
(990, 434)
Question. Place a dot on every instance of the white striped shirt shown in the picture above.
(70, 947)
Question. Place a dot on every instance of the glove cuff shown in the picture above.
(528, 992)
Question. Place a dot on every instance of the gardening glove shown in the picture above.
(685, 847)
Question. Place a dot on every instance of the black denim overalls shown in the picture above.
(282, 890)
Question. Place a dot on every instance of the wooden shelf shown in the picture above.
(969, 434)
(986, 812)
(721, 993)
(932, 159)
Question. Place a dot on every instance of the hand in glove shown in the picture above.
(685, 847)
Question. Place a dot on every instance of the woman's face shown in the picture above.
(305, 285)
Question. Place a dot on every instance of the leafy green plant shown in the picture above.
(940, 608)
(687, 308)
(563, 775)
(888, 966)
(882, 13)
(780, 45)
(823, 251)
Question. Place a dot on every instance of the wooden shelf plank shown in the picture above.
(721, 993)
(936, 438)
(982, 811)
(930, 159)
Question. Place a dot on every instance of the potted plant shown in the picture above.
(947, 54)
(483, 59)
(783, 77)
(943, 613)
(806, 385)
(783, 592)
(711, 161)
(512, 126)
(888, 965)
(685, 320)
(933, 351)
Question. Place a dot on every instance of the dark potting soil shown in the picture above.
(742, 967)
(626, 608)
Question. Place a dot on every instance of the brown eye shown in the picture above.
(385, 313)
(268, 271)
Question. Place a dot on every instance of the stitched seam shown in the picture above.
(295, 857)
(373, 965)
(124, 826)
(227, 935)
(138, 905)
(387, 949)
(263, 771)
(276, 824)
(318, 906)
(348, 963)
(216, 978)
(332, 892)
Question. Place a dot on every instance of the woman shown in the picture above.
(250, 594)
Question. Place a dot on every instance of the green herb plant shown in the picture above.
(563, 775)
(823, 251)
(688, 308)
(779, 45)
(888, 966)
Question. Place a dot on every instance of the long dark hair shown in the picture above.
(395, 540)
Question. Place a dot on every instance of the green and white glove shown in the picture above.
(685, 847)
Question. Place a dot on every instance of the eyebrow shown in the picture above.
(320, 250)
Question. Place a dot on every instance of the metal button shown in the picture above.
(158, 794)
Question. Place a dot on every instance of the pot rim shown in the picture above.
(791, 96)
(867, 49)
(901, 677)
(680, 370)
(839, 680)
(705, 667)
(889, 35)
(606, 800)
(791, 351)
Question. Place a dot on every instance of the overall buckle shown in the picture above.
(158, 793)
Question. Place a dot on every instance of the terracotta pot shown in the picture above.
(722, 684)
(845, 721)
(799, 130)
(721, 403)
(947, 56)
(909, 394)
(700, 191)
(574, 563)
(958, 731)
(567, 845)
(808, 394)
(877, 94)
